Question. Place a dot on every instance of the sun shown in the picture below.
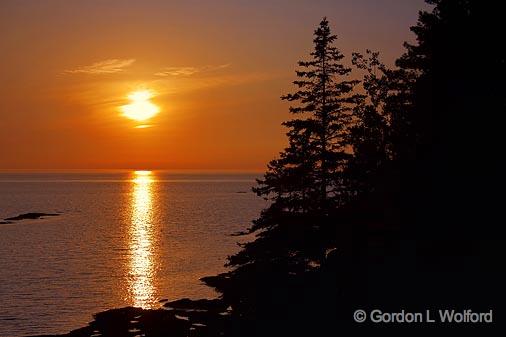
(140, 107)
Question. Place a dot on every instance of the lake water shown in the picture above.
(123, 238)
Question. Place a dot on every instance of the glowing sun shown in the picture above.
(140, 107)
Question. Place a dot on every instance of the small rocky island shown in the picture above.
(28, 216)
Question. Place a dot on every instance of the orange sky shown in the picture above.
(216, 68)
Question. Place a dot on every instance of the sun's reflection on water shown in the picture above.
(142, 268)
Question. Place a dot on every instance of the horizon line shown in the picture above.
(184, 170)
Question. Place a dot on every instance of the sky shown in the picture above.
(215, 70)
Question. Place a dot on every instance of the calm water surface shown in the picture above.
(124, 238)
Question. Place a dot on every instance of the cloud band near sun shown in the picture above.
(188, 71)
(110, 66)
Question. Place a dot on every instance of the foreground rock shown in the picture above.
(179, 318)
(215, 305)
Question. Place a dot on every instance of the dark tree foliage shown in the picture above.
(370, 133)
(456, 77)
(384, 179)
(444, 109)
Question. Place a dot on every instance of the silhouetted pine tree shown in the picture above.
(325, 102)
(308, 180)
(305, 186)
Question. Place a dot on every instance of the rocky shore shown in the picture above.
(183, 317)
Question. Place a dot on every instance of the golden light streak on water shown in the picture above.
(141, 241)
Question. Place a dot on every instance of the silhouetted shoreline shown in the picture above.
(182, 317)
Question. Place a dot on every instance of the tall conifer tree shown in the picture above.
(305, 184)
(319, 149)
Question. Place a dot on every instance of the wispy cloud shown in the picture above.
(188, 71)
(165, 85)
(109, 66)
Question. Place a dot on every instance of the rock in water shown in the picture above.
(33, 215)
